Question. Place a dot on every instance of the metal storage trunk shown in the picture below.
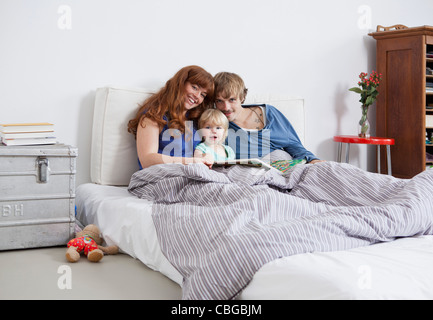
(37, 195)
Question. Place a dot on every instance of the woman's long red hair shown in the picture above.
(169, 100)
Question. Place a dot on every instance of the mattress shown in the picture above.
(396, 270)
(125, 221)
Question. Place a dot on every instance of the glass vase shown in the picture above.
(364, 125)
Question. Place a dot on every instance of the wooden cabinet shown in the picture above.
(401, 107)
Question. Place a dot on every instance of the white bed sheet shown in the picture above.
(125, 221)
(397, 270)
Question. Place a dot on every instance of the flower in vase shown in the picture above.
(368, 90)
(368, 87)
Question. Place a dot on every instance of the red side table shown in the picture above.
(372, 140)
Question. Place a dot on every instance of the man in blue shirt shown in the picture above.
(255, 130)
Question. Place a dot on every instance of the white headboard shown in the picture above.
(114, 156)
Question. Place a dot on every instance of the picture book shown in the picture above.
(244, 162)
(281, 165)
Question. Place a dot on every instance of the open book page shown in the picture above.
(285, 165)
(280, 165)
(244, 162)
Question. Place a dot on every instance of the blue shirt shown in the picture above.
(277, 134)
(176, 144)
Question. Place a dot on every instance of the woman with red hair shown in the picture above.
(165, 125)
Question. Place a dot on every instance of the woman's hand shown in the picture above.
(206, 160)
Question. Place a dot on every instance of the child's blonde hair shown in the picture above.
(215, 117)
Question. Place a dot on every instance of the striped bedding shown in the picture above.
(218, 227)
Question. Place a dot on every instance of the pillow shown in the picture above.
(114, 153)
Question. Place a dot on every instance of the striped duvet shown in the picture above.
(218, 227)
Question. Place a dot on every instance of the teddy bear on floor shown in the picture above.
(89, 241)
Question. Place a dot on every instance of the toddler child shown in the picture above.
(213, 125)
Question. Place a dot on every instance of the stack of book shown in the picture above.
(24, 134)
(429, 86)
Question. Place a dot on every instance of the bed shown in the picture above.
(389, 256)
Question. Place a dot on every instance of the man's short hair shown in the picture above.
(228, 84)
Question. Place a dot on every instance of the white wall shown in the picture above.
(55, 53)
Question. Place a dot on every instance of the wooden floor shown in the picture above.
(45, 274)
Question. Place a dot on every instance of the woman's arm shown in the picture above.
(147, 147)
